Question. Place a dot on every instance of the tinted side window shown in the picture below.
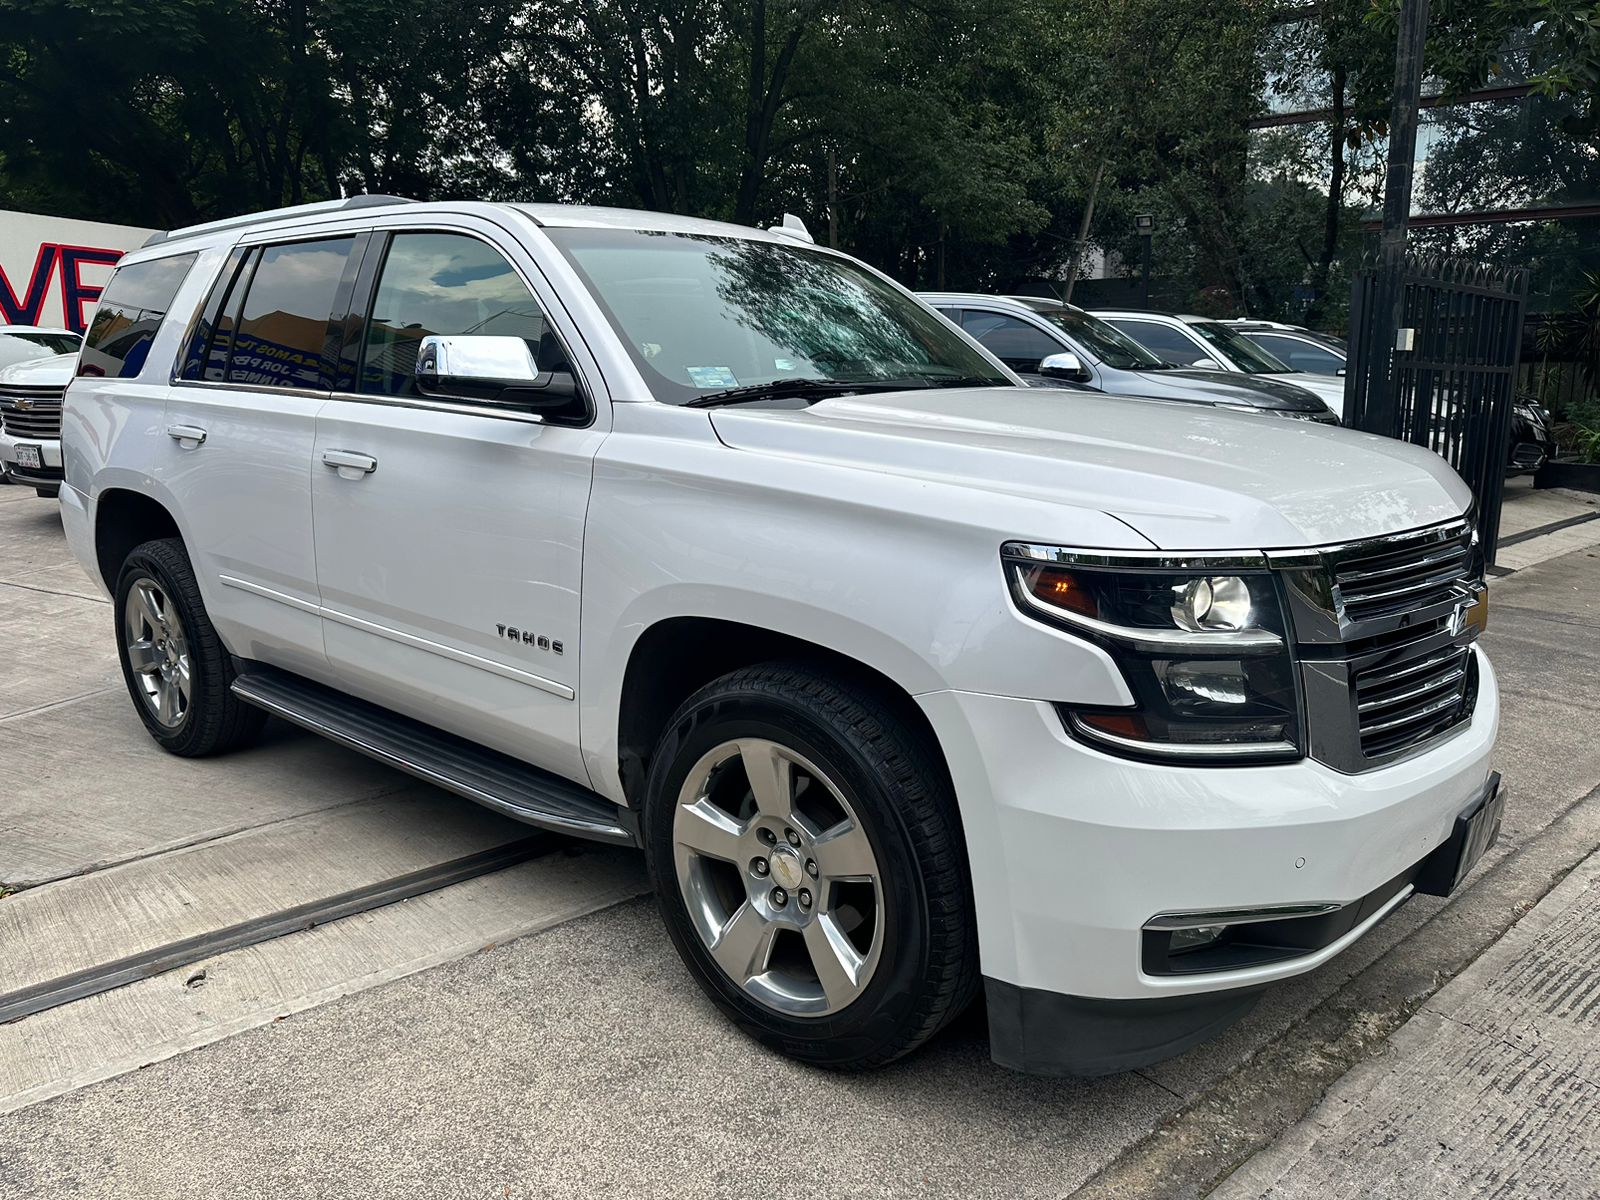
(442, 283)
(1165, 342)
(1009, 339)
(282, 335)
(131, 310)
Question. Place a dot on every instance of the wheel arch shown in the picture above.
(125, 518)
(676, 656)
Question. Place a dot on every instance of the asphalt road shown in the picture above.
(580, 1060)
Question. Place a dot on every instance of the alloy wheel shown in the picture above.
(158, 652)
(779, 877)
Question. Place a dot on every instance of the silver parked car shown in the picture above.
(1191, 341)
(1052, 344)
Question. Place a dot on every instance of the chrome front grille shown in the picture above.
(1386, 658)
(27, 412)
(1402, 578)
(1409, 697)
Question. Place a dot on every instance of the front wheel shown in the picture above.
(809, 864)
(176, 667)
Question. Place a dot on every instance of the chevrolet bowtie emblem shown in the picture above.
(24, 403)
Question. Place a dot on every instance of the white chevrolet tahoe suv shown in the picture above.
(908, 679)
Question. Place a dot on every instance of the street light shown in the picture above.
(1145, 223)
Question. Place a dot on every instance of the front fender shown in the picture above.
(898, 574)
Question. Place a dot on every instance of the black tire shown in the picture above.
(886, 769)
(215, 720)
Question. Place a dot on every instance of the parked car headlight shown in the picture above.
(1202, 646)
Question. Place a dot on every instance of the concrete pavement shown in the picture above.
(1569, 515)
(581, 1060)
(1492, 1089)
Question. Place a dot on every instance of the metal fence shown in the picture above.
(1435, 345)
(1558, 384)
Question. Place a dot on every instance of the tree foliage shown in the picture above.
(959, 143)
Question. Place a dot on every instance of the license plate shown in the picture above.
(28, 456)
(1475, 830)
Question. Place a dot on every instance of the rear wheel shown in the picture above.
(809, 865)
(176, 668)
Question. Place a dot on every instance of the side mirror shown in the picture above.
(1341, 372)
(1207, 364)
(495, 369)
(1065, 365)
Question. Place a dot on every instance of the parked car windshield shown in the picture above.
(18, 345)
(1245, 354)
(1104, 340)
(703, 314)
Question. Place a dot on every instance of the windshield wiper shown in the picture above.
(779, 388)
(955, 381)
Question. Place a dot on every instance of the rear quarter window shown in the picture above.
(131, 310)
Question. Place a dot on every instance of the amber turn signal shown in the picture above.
(1062, 589)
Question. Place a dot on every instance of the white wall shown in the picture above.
(52, 269)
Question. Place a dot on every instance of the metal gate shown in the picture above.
(1434, 351)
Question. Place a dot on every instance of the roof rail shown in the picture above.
(363, 201)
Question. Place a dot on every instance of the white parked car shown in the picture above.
(907, 678)
(30, 416)
(1189, 341)
(1299, 348)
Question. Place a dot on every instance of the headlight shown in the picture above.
(1201, 643)
(1213, 602)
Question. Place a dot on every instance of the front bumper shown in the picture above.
(47, 475)
(1527, 456)
(1074, 851)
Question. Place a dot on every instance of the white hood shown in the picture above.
(1185, 477)
(56, 370)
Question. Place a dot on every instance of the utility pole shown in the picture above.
(1413, 35)
(1382, 404)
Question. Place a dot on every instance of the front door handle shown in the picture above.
(349, 464)
(187, 436)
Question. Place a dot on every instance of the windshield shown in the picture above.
(703, 314)
(1105, 341)
(1245, 354)
(16, 346)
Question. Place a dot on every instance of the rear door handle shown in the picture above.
(187, 436)
(349, 464)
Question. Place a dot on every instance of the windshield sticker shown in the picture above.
(783, 364)
(712, 377)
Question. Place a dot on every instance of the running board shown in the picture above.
(494, 780)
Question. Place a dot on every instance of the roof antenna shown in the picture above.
(795, 228)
